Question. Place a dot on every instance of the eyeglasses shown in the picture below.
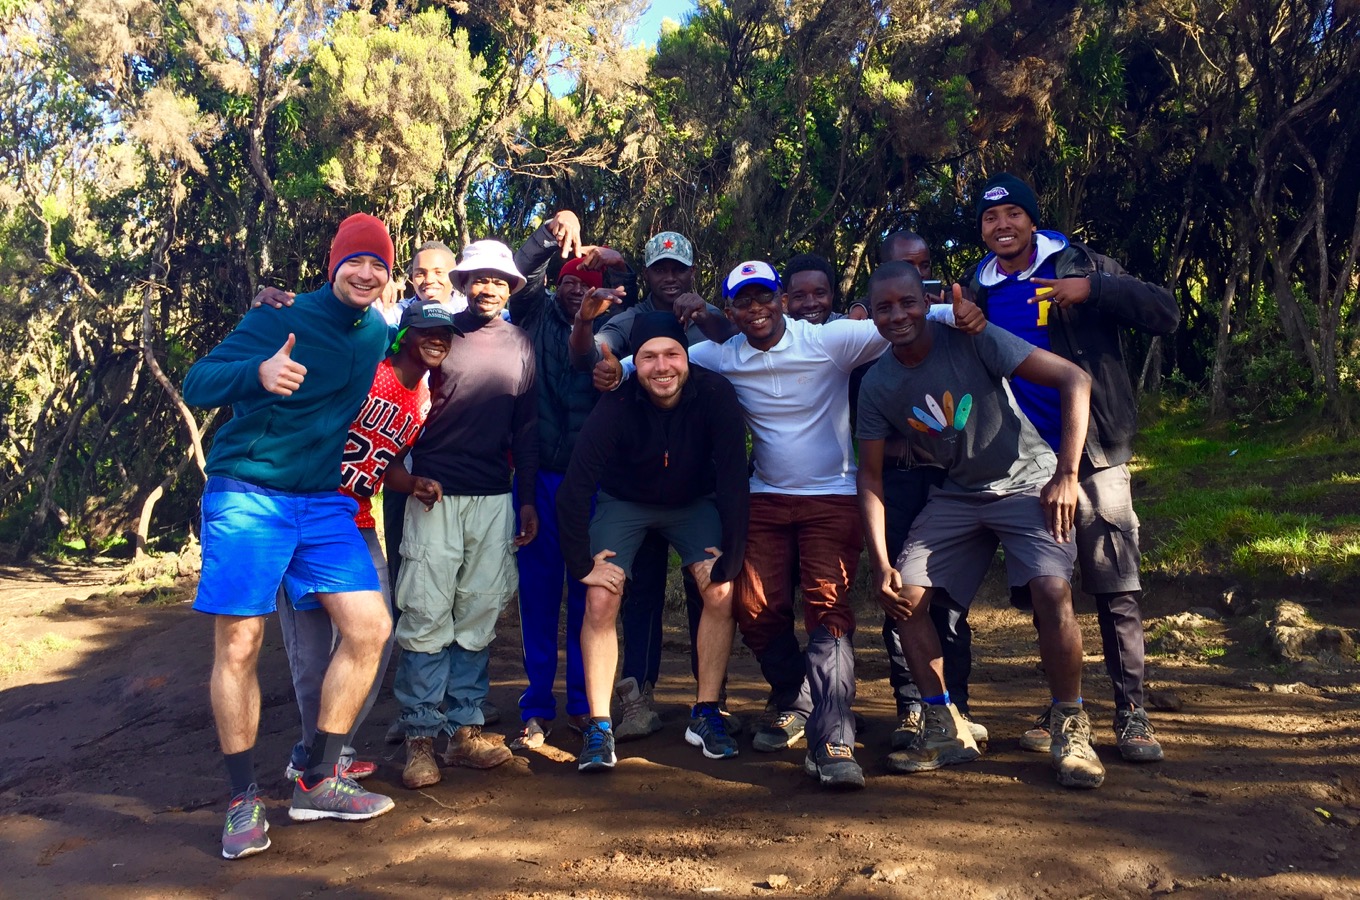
(766, 298)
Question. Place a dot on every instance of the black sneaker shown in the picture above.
(597, 749)
(780, 733)
(834, 766)
(708, 731)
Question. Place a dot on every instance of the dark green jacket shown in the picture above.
(294, 443)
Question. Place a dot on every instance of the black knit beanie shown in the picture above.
(1005, 188)
(654, 325)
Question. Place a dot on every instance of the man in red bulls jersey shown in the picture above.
(385, 427)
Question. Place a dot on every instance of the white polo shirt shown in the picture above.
(796, 399)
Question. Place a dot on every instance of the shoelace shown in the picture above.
(594, 739)
(1076, 726)
(242, 815)
(632, 706)
(1041, 721)
(1136, 726)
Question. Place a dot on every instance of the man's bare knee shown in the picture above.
(1052, 598)
(237, 642)
(361, 617)
(602, 606)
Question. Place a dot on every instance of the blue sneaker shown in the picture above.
(597, 748)
(246, 831)
(708, 731)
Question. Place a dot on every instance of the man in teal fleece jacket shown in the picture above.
(295, 378)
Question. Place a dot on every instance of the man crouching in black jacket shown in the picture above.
(668, 450)
(1064, 297)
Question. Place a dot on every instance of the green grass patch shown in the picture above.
(1261, 502)
(17, 658)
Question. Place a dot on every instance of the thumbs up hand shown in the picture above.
(608, 372)
(968, 317)
(280, 374)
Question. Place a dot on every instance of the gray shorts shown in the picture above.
(1107, 531)
(621, 526)
(954, 538)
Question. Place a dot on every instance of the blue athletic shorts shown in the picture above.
(256, 538)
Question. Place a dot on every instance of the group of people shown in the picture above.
(533, 442)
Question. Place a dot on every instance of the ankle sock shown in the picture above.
(603, 721)
(941, 700)
(1067, 703)
(323, 756)
(240, 770)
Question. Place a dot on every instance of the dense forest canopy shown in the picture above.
(163, 160)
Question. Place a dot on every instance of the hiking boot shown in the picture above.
(491, 713)
(834, 766)
(907, 730)
(246, 831)
(597, 748)
(467, 747)
(1074, 759)
(421, 769)
(780, 733)
(708, 731)
(336, 797)
(396, 732)
(1038, 738)
(976, 729)
(356, 769)
(944, 740)
(636, 718)
(1134, 738)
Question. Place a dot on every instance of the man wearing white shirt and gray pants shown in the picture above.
(792, 379)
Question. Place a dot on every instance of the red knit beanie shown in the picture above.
(591, 277)
(358, 235)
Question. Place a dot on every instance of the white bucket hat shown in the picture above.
(490, 256)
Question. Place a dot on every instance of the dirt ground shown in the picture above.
(111, 786)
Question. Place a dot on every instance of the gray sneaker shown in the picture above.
(336, 797)
(246, 831)
(834, 766)
(635, 718)
(396, 732)
(1134, 737)
(1074, 759)
(944, 741)
(491, 713)
(780, 733)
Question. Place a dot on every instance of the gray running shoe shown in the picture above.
(834, 766)
(780, 733)
(491, 713)
(1074, 759)
(396, 732)
(246, 831)
(336, 797)
(1134, 738)
(636, 718)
